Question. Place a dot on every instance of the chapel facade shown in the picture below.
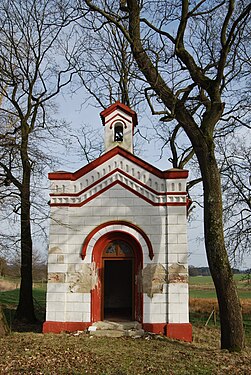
(118, 240)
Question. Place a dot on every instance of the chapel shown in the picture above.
(118, 240)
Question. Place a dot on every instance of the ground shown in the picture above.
(31, 352)
(35, 353)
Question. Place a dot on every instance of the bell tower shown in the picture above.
(119, 122)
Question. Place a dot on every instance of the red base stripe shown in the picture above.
(179, 331)
(57, 327)
(158, 328)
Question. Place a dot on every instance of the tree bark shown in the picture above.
(25, 310)
(202, 139)
(232, 334)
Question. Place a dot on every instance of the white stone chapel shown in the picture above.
(118, 240)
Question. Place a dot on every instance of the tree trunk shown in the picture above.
(25, 310)
(232, 333)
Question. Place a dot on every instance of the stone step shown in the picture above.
(117, 333)
(120, 326)
(116, 329)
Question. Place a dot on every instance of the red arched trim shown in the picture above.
(118, 120)
(97, 258)
(109, 223)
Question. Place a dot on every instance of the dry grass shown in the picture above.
(8, 285)
(206, 305)
(30, 353)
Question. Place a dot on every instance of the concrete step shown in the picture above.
(116, 329)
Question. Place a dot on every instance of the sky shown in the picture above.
(73, 111)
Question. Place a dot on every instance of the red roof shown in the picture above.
(73, 176)
(122, 107)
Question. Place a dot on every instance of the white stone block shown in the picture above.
(73, 316)
(184, 318)
(74, 306)
(160, 258)
(53, 239)
(173, 298)
(157, 298)
(158, 318)
(50, 315)
(158, 238)
(154, 308)
(74, 258)
(182, 238)
(86, 317)
(172, 258)
(57, 287)
(151, 211)
(157, 220)
(179, 229)
(177, 249)
(57, 306)
(143, 220)
(164, 309)
(183, 258)
(178, 288)
(176, 210)
(172, 238)
(172, 219)
(60, 316)
(57, 268)
(86, 308)
(55, 297)
(86, 297)
(74, 297)
(146, 317)
(182, 219)
(52, 258)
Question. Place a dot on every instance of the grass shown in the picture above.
(208, 293)
(34, 353)
(80, 354)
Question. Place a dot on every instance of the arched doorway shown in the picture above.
(118, 293)
(118, 281)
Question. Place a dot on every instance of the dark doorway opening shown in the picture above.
(118, 289)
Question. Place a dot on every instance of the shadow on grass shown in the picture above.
(17, 326)
(9, 301)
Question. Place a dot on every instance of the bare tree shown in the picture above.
(236, 184)
(194, 57)
(107, 68)
(32, 72)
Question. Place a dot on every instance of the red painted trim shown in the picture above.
(117, 182)
(158, 328)
(122, 107)
(180, 331)
(114, 222)
(145, 186)
(57, 327)
(168, 174)
(96, 293)
(118, 120)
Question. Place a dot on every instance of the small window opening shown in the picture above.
(118, 132)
